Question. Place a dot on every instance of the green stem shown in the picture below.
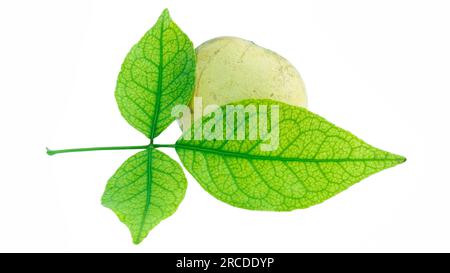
(54, 152)
(164, 145)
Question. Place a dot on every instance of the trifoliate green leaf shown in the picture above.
(314, 161)
(157, 74)
(145, 190)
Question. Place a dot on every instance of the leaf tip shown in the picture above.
(165, 13)
(137, 241)
(399, 159)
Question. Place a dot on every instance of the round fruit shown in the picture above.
(231, 69)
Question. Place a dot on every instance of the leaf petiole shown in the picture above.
(163, 145)
(54, 152)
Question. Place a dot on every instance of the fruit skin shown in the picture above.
(231, 69)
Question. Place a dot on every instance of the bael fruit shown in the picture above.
(231, 69)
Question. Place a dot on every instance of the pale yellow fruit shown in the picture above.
(231, 69)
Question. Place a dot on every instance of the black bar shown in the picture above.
(218, 262)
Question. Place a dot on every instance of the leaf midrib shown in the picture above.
(279, 158)
(159, 87)
(149, 192)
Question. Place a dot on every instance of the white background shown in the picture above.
(380, 69)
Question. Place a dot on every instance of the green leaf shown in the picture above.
(315, 160)
(157, 74)
(145, 190)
